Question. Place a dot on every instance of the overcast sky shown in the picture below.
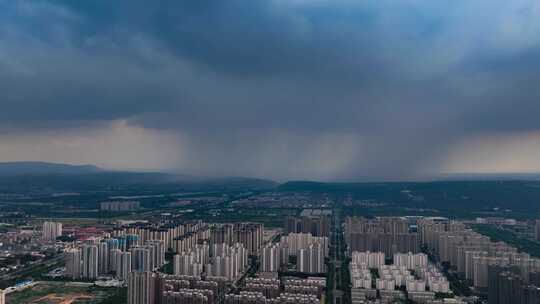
(284, 89)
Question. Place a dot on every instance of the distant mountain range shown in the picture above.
(51, 177)
(490, 176)
(55, 177)
(518, 192)
(37, 168)
(485, 194)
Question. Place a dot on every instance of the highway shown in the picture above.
(21, 273)
(336, 258)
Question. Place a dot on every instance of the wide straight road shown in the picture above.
(336, 258)
(20, 273)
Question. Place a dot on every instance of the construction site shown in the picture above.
(60, 293)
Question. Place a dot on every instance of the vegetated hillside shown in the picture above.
(238, 183)
(124, 181)
(38, 168)
(32, 177)
(517, 195)
(78, 182)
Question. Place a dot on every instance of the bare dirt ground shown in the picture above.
(61, 299)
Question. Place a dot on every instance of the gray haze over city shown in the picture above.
(283, 89)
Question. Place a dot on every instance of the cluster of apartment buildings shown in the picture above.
(472, 255)
(158, 288)
(251, 235)
(208, 257)
(246, 297)
(102, 257)
(507, 286)
(314, 221)
(220, 260)
(386, 234)
(287, 290)
(175, 236)
(205, 270)
(206, 254)
(117, 206)
(308, 250)
(373, 278)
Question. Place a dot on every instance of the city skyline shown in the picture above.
(458, 242)
(270, 151)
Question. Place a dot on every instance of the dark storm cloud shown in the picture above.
(279, 88)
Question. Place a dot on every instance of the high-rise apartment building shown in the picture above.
(221, 233)
(90, 261)
(141, 287)
(537, 230)
(157, 253)
(530, 294)
(122, 264)
(51, 230)
(250, 235)
(103, 257)
(188, 264)
(192, 262)
(507, 286)
(148, 257)
(73, 263)
(317, 224)
(116, 206)
(410, 260)
(387, 234)
(227, 262)
(369, 259)
(297, 241)
(270, 259)
(311, 259)
(112, 246)
(141, 259)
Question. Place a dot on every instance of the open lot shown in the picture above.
(60, 293)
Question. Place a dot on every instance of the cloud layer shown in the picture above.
(278, 88)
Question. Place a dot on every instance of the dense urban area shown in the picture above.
(269, 151)
(276, 245)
